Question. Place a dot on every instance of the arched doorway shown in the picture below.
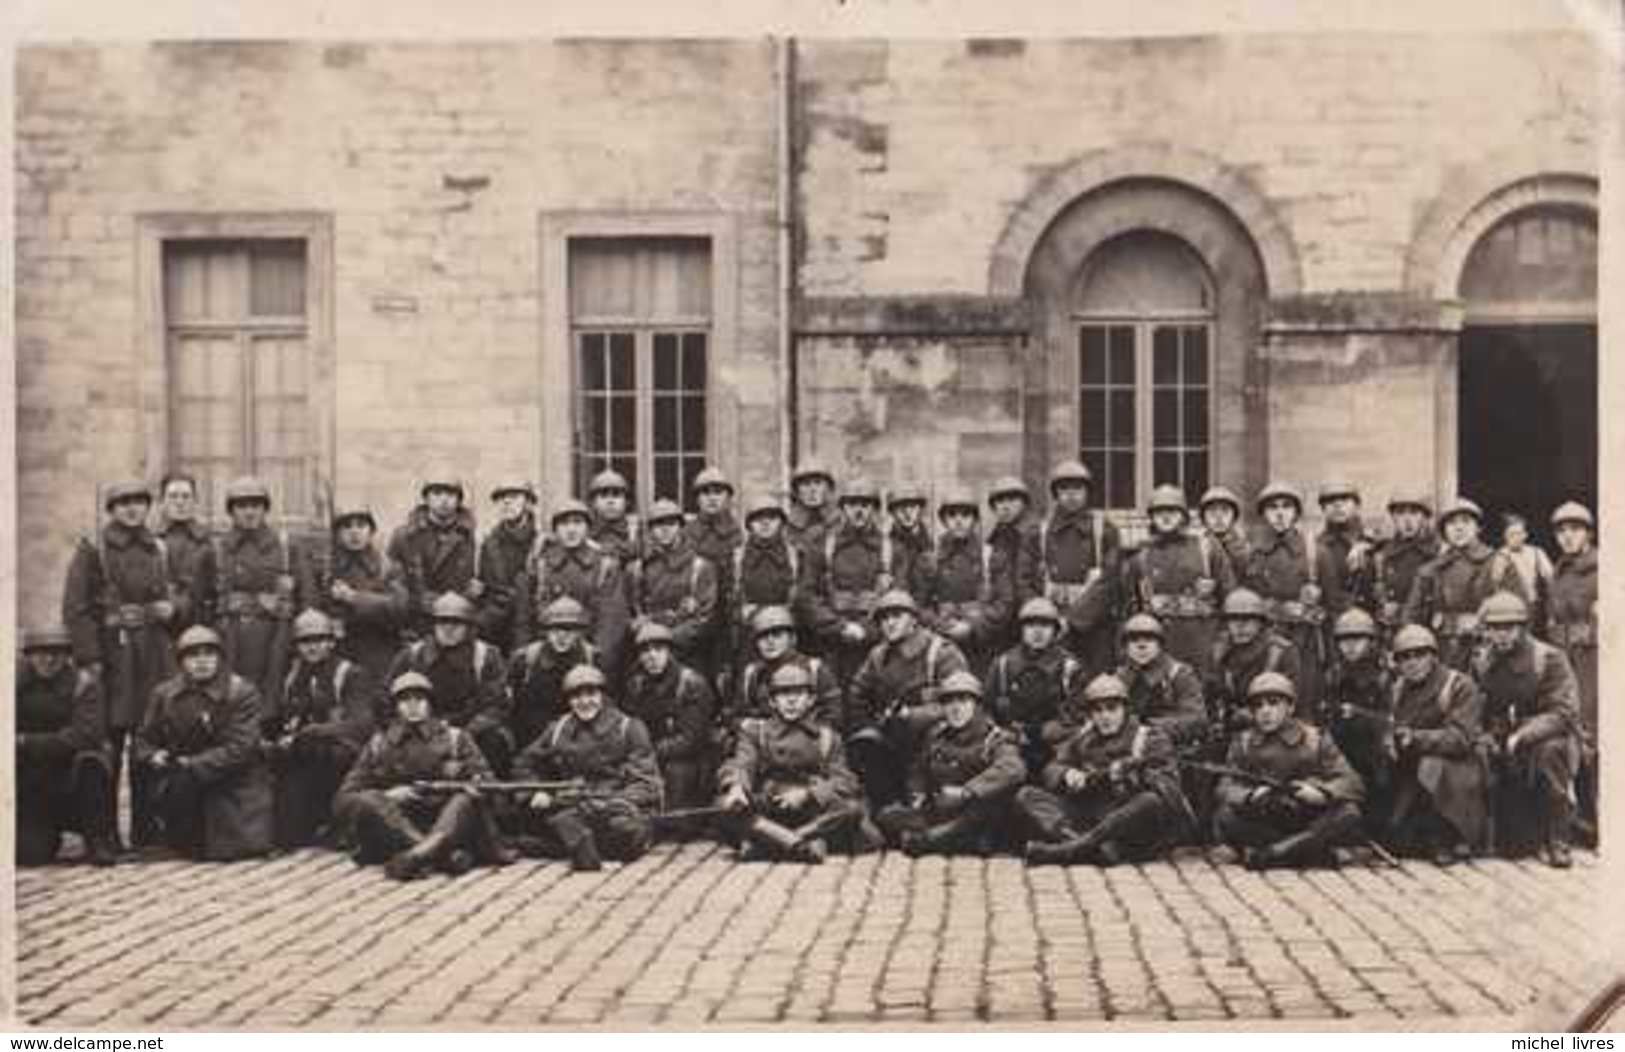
(1527, 391)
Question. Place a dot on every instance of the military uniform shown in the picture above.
(677, 587)
(1027, 691)
(1080, 564)
(716, 539)
(64, 779)
(501, 567)
(677, 707)
(252, 582)
(890, 701)
(1357, 708)
(327, 710)
(373, 615)
(1571, 623)
(1448, 591)
(806, 527)
(590, 576)
(470, 691)
(185, 544)
(1287, 569)
(1233, 541)
(968, 593)
(1018, 548)
(615, 759)
(772, 755)
(765, 573)
(1440, 779)
(912, 551)
(620, 538)
(755, 689)
(436, 559)
(845, 577)
(1395, 565)
(1347, 583)
(982, 761)
(1237, 666)
(536, 685)
(1180, 578)
(1166, 695)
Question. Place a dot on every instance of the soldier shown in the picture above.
(610, 753)
(962, 781)
(501, 561)
(1180, 578)
(1164, 692)
(1571, 625)
(1112, 792)
(1249, 647)
(185, 541)
(812, 511)
(844, 578)
(388, 819)
(676, 705)
(1449, 590)
(435, 550)
(967, 584)
(117, 604)
(569, 563)
(910, 535)
(1441, 785)
(469, 676)
(1357, 708)
(775, 633)
(675, 586)
(536, 672)
(199, 745)
(1531, 716)
(1348, 549)
(1292, 797)
(64, 780)
(1290, 570)
(766, 572)
(1396, 563)
(787, 784)
(613, 528)
(1030, 683)
(313, 737)
(366, 595)
(893, 695)
(1015, 537)
(1079, 562)
(714, 533)
(1220, 511)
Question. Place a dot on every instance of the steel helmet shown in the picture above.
(1103, 688)
(1333, 490)
(712, 478)
(772, 619)
(49, 637)
(514, 485)
(564, 612)
(1278, 491)
(1271, 685)
(1069, 471)
(411, 683)
(313, 624)
(792, 675)
(1461, 506)
(663, 510)
(452, 606)
(125, 490)
(607, 482)
(1354, 622)
(1401, 501)
(653, 633)
(896, 599)
(442, 481)
(570, 508)
(960, 684)
(1503, 608)
(959, 499)
(1415, 637)
(1220, 495)
(906, 493)
(763, 505)
(246, 489)
(1040, 609)
(356, 514)
(198, 637)
(583, 677)
(1142, 625)
(1166, 496)
(1570, 511)
(1008, 486)
(1244, 602)
(860, 491)
(809, 470)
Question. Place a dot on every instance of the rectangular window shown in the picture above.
(640, 319)
(237, 339)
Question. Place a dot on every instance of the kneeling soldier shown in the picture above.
(1164, 692)
(775, 632)
(388, 819)
(536, 672)
(787, 785)
(317, 731)
(1031, 682)
(610, 754)
(1440, 794)
(200, 747)
(63, 771)
(1289, 796)
(964, 776)
(1112, 792)
(469, 676)
(676, 705)
(1356, 706)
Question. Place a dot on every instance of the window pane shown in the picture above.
(627, 467)
(1092, 355)
(692, 466)
(592, 361)
(1120, 427)
(693, 423)
(694, 365)
(1140, 273)
(1165, 355)
(276, 279)
(622, 369)
(1121, 492)
(1092, 418)
(1122, 356)
(1095, 461)
(1196, 472)
(666, 361)
(665, 423)
(205, 281)
(1165, 417)
(1165, 468)
(668, 475)
(1196, 417)
(595, 434)
(1196, 354)
(623, 428)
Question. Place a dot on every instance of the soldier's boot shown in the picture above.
(381, 829)
(449, 833)
(1313, 845)
(579, 843)
(90, 811)
(1068, 852)
(1559, 822)
(944, 838)
(779, 841)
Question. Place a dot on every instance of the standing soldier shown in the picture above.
(676, 705)
(366, 597)
(968, 586)
(1015, 537)
(1031, 683)
(910, 535)
(185, 542)
(1395, 564)
(501, 561)
(537, 670)
(962, 781)
(775, 633)
(787, 785)
(1220, 511)
(117, 605)
(1180, 578)
(1164, 692)
(313, 737)
(1112, 792)
(199, 744)
(812, 507)
(1079, 562)
(1449, 590)
(388, 819)
(1291, 797)
(1441, 787)
(469, 678)
(845, 576)
(1348, 551)
(714, 533)
(609, 752)
(613, 529)
(766, 572)
(675, 586)
(569, 563)
(1291, 571)
(1357, 707)
(1532, 716)
(435, 549)
(1571, 625)
(60, 749)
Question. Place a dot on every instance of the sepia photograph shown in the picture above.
(811, 530)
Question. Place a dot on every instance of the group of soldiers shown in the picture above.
(837, 673)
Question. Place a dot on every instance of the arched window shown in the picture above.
(1144, 312)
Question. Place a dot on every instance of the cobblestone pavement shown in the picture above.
(687, 937)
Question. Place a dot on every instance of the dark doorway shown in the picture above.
(1528, 420)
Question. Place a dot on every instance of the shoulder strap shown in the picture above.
(163, 557)
(606, 566)
(1137, 750)
(1205, 543)
(1097, 523)
(1001, 673)
(456, 736)
(626, 724)
(748, 683)
(829, 559)
(932, 649)
(694, 575)
(1043, 548)
(218, 543)
(794, 554)
(341, 675)
(826, 742)
(886, 559)
(1311, 736)
(1311, 551)
(739, 574)
(558, 731)
(1272, 654)
(815, 668)
(987, 572)
(1069, 672)
(482, 650)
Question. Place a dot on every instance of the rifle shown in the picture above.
(571, 787)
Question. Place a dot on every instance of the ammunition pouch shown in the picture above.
(1181, 606)
(1574, 635)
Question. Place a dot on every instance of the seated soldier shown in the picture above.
(199, 745)
(1112, 792)
(675, 704)
(610, 754)
(1029, 683)
(787, 786)
(1532, 720)
(1357, 707)
(1163, 691)
(63, 770)
(964, 776)
(323, 719)
(1248, 648)
(469, 676)
(536, 672)
(388, 817)
(774, 629)
(1440, 780)
(1289, 797)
